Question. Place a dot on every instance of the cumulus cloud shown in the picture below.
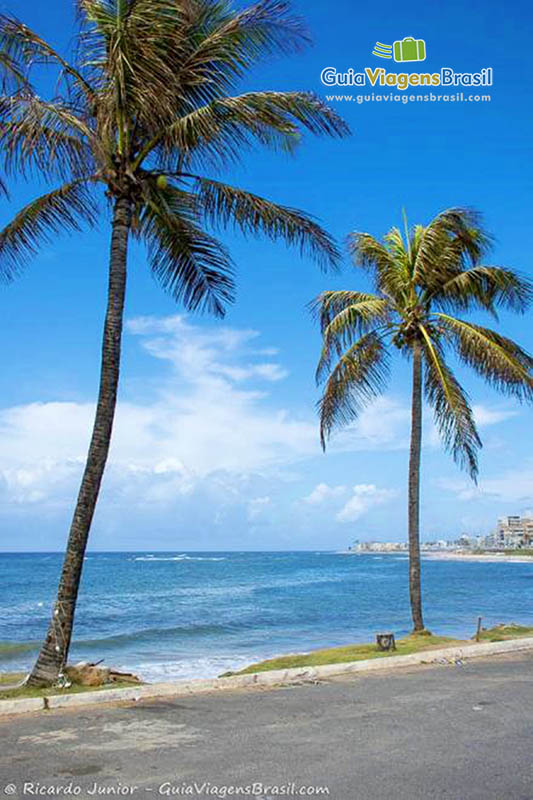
(222, 351)
(210, 413)
(365, 496)
(322, 492)
(210, 417)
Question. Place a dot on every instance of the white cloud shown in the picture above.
(322, 492)
(485, 416)
(257, 505)
(383, 425)
(513, 486)
(365, 496)
(211, 413)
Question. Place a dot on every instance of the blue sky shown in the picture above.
(216, 442)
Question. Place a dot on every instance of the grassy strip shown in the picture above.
(11, 677)
(353, 652)
(7, 678)
(414, 643)
(500, 633)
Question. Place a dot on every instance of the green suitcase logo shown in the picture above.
(410, 49)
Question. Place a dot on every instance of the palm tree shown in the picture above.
(146, 108)
(421, 278)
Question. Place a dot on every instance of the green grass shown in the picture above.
(354, 652)
(25, 691)
(414, 643)
(10, 677)
(502, 632)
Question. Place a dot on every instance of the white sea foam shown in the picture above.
(182, 557)
(196, 668)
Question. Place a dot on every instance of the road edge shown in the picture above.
(268, 679)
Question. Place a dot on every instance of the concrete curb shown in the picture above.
(22, 706)
(284, 677)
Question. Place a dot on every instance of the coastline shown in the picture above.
(500, 558)
(201, 618)
(270, 678)
(452, 555)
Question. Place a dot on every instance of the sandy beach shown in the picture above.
(494, 557)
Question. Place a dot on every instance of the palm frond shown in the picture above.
(358, 378)
(231, 43)
(45, 137)
(166, 58)
(400, 250)
(189, 263)
(452, 242)
(222, 129)
(329, 304)
(64, 209)
(485, 288)
(500, 361)
(12, 76)
(344, 317)
(216, 135)
(466, 225)
(23, 48)
(437, 257)
(452, 411)
(133, 59)
(389, 269)
(223, 205)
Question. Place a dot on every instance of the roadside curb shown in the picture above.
(270, 679)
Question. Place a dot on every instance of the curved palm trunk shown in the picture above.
(415, 592)
(54, 651)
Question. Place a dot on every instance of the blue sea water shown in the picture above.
(185, 615)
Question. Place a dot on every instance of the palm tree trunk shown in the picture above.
(415, 592)
(54, 651)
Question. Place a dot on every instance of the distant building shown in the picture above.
(465, 542)
(513, 533)
(378, 547)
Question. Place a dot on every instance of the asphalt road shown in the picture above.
(453, 732)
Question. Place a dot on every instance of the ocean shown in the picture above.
(194, 615)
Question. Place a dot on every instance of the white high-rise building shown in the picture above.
(514, 532)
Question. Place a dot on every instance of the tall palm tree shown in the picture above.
(421, 277)
(146, 108)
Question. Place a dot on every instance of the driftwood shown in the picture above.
(86, 674)
(385, 641)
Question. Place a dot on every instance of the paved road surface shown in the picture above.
(453, 732)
